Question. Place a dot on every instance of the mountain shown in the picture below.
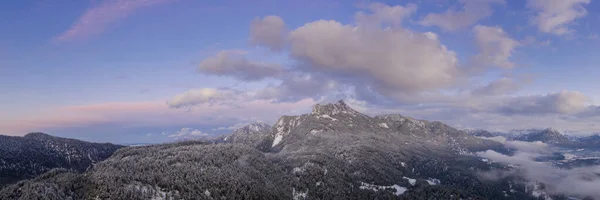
(481, 133)
(510, 135)
(334, 152)
(549, 136)
(592, 141)
(249, 134)
(36, 153)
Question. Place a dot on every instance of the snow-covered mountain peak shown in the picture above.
(552, 130)
(255, 127)
(333, 109)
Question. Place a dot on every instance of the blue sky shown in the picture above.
(118, 70)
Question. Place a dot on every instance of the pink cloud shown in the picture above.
(96, 19)
(152, 114)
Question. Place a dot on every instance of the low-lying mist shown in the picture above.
(580, 182)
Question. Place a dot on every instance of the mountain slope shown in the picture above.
(250, 134)
(343, 126)
(36, 153)
(592, 141)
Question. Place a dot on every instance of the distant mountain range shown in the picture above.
(549, 135)
(36, 153)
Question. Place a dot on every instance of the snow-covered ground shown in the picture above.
(399, 189)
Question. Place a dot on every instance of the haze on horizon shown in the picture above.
(158, 70)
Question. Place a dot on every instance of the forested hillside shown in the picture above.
(36, 153)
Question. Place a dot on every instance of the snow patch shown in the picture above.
(298, 194)
(433, 181)
(569, 156)
(157, 192)
(277, 140)
(537, 191)
(298, 170)
(383, 125)
(399, 190)
(411, 181)
(327, 117)
(279, 134)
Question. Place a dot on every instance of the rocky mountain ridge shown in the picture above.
(548, 135)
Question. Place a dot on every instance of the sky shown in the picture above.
(147, 71)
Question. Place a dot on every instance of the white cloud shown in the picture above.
(555, 16)
(499, 139)
(202, 96)
(234, 64)
(533, 147)
(453, 19)
(385, 66)
(563, 102)
(99, 17)
(232, 127)
(382, 13)
(188, 133)
(495, 45)
(297, 86)
(581, 182)
(269, 32)
(501, 86)
(393, 60)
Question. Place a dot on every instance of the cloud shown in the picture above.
(555, 16)
(530, 147)
(581, 182)
(499, 139)
(269, 32)
(232, 127)
(563, 102)
(393, 60)
(590, 111)
(495, 45)
(297, 86)
(98, 18)
(328, 58)
(188, 133)
(234, 64)
(487, 112)
(203, 96)
(501, 86)
(386, 67)
(382, 13)
(452, 20)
